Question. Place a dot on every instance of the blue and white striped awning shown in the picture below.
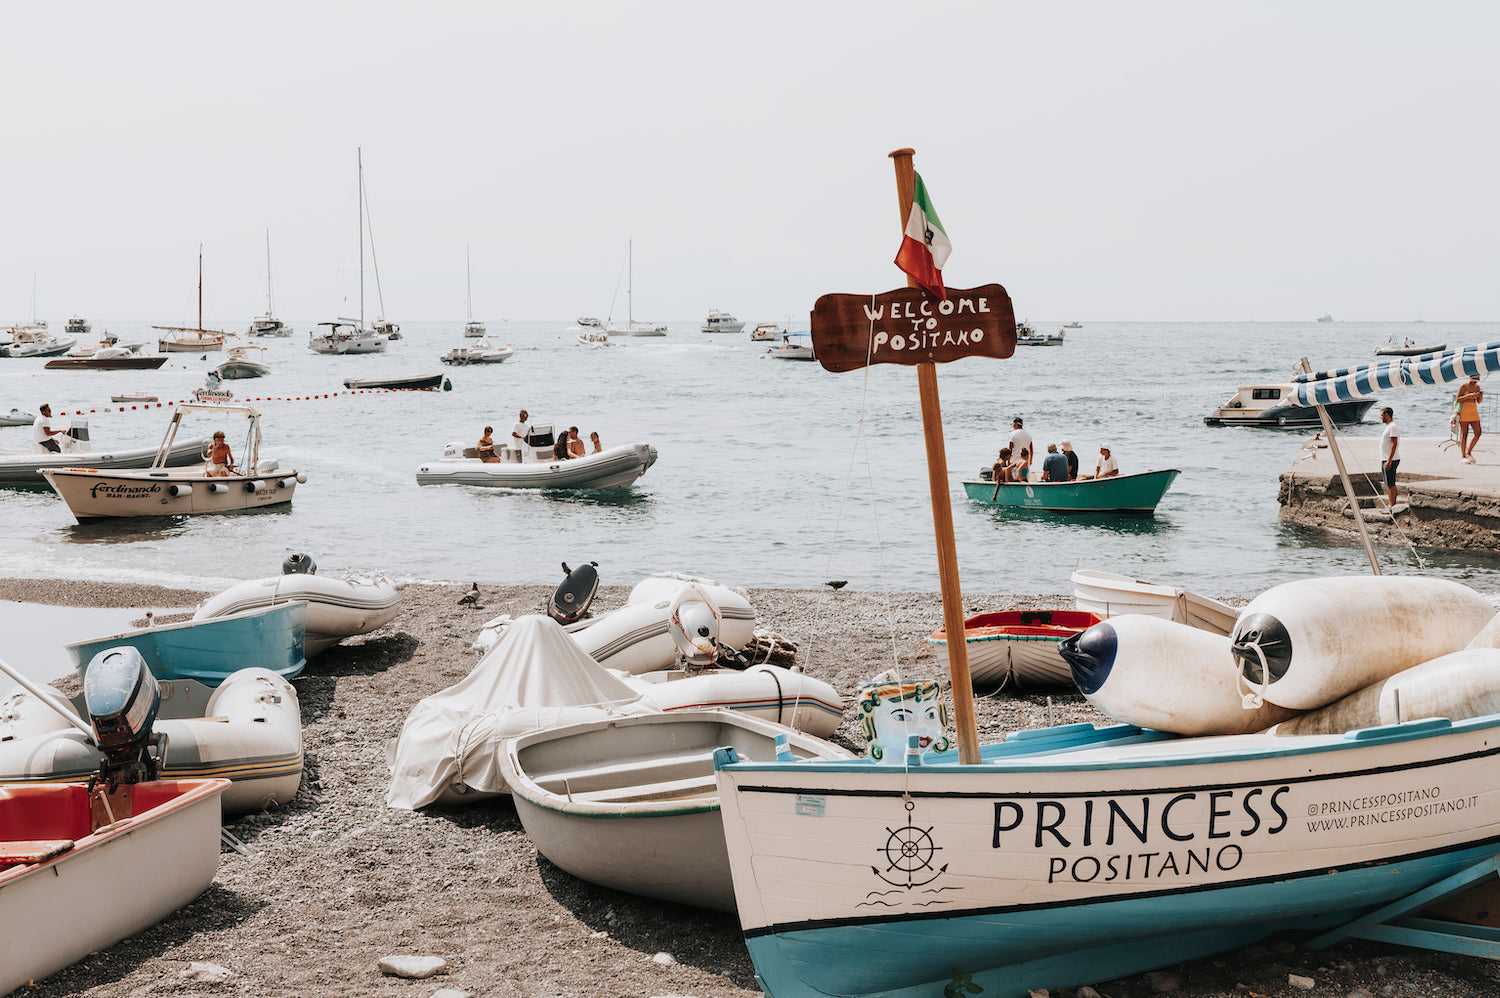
(1352, 383)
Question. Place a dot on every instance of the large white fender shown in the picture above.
(1159, 674)
(1305, 644)
(770, 692)
(637, 637)
(1458, 686)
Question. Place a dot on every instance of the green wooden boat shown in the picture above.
(1138, 493)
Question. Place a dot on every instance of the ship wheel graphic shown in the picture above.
(908, 853)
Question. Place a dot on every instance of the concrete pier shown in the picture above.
(1442, 502)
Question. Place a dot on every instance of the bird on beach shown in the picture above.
(471, 597)
(837, 583)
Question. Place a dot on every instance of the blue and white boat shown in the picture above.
(1078, 854)
(272, 637)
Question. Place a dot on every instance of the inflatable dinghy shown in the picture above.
(1308, 643)
(336, 608)
(248, 730)
(1155, 673)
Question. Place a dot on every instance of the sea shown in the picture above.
(771, 473)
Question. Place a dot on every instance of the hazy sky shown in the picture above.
(1120, 160)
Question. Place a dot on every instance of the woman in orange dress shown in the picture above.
(1469, 397)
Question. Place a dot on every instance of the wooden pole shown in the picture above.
(942, 513)
(1338, 459)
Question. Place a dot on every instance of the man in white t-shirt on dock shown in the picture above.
(1390, 453)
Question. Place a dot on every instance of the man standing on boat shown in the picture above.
(521, 433)
(1019, 439)
(42, 431)
(1390, 452)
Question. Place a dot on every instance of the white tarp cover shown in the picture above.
(535, 677)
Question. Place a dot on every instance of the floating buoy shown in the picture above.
(1461, 685)
(1305, 644)
(1157, 673)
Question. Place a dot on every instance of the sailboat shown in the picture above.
(192, 339)
(1078, 854)
(632, 327)
(268, 324)
(471, 328)
(350, 335)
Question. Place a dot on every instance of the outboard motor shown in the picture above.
(298, 564)
(571, 599)
(122, 699)
(693, 623)
(78, 436)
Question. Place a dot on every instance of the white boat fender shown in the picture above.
(255, 485)
(693, 622)
(1307, 643)
(283, 483)
(218, 488)
(1462, 685)
(1157, 673)
(301, 478)
(180, 490)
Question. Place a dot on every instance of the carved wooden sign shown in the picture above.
(911, 326)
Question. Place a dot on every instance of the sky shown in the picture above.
(1141, 161)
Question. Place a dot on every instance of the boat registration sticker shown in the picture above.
(812, 805)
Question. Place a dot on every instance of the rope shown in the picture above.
(235, 401)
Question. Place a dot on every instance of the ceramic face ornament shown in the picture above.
(890, 710)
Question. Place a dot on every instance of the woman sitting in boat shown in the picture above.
(1001, 471)
(486, 447)
(560, 449)
(598, 447)
(1022, 467)
(220, 459)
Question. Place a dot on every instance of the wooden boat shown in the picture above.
(1271, 405)
(336, 608)
(630, 803)
(108, 362)
(248, 731)
(160, 490)
(1108, 595)
(414, 383)
(192, 339)
(1017, 648)
(211, 650)
(133, 397)
(1137, 493)
(73, 881)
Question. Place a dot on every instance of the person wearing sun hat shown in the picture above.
(1067, 448)
(1107, 466)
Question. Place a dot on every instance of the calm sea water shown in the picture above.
(771, 473)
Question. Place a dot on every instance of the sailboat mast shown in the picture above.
(468, 284)
(269, 309)
(961, 684)
(630, 283)
(361, 154)
(200, 289)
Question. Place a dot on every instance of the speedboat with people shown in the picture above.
(533, 465)
(161, 490)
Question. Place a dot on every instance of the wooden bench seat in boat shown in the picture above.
(630, 776)
(22, 851)
(691, 787)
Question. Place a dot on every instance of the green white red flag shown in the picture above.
(925, 246)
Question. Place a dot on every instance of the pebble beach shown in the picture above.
(336, 881)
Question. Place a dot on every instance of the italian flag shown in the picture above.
(925, 246)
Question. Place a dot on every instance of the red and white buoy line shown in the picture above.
(129, 406)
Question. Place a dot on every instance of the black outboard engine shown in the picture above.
(298, 564)
(122, 698)
(571, 599)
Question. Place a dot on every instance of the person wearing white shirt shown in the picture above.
(1019, 439)
(42, 431)
(1107, 466)
(1390, 452)
(520, 432)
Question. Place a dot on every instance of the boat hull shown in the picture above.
(862, 879)
(631, 804)
(206, 345)
(149, 362)
(211, 650)
(336, 609)
(111, 883)
(425, 382)
(1017, 648)
(26, 469)
(1109, 595)
(1341, 413)
(614, 468)
(92, 494)
(1139, 493)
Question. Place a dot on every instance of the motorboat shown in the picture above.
(386, 328)
(630, 803)
(17, 418)
(1072, 325)
(345, 336)
(243, 362)
(1137, 493)
(403, 383)
(268, 325)
(1326, 317)
(336, 608)
(23, 466)
(163, 490)
(77, 326)
(82, 868)
(478, 352)
(1108, 594)
(1026, 336)
(474, 329)
(768, 331)
(590, 322)
(721, 322)
(211, 650)
(34, 342)
(534, 467)
(247, 730)
(109, 355)
(133, 397)
(1275, 405)
(794, 346)
(1407, 348)
(1017, 649)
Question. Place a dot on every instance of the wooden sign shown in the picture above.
(911, 326)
